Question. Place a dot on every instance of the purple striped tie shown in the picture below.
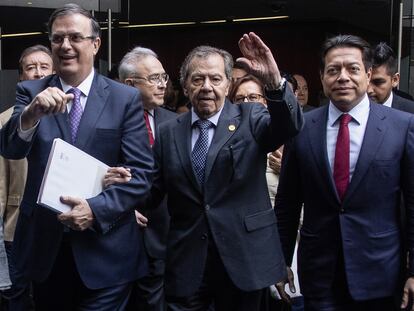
(75, 113)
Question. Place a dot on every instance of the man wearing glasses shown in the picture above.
(141, 68)
(85, 259)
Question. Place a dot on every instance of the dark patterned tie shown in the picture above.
(75, 113)
(341, 163)
(199, 153)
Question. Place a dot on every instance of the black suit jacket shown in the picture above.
(233, 208)
(155, 234)
(402, 104)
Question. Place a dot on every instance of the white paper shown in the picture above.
(69, 172)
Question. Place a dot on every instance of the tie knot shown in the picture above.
(345, 119)
(203, 124)
(76, 93)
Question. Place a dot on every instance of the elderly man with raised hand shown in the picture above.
(223, 244)
(85, 259)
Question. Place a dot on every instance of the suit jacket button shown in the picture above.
(204, 236)
(342, 210)
(207, 207)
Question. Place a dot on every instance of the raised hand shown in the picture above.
(258, 58)
(50, 101)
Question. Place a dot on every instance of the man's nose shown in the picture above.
(343, 75)
(370, 89)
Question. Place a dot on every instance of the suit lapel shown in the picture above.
(61, 118)
(228, 116)
(317, 138)
(373, 137)
(95, 104)
(182, 138)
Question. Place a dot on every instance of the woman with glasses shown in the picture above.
(247, 89)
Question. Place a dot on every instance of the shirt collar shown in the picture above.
(150, 112)
(85, 86)
(388, 102)
(357, 113)
(213, 119)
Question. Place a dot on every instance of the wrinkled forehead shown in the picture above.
(206, 64)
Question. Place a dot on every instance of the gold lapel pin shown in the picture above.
(232, 127)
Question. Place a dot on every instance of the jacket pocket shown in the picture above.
(260, 220)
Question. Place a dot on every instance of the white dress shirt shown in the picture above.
(356, 127)
(388, 102)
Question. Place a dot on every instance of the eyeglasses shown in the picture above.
(250, 98)
(154, 79)
(72, 37)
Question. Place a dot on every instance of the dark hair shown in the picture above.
(72, 8)
(347, 41)
(31, 50)
(235, 86)
(291, 79)
(205, 51)
(384, 55)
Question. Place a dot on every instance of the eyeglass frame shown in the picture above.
(70, 36)
(237, 98)
(157, 76)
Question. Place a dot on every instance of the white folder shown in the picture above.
(69, 172)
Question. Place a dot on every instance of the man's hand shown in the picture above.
(408, 294)
(275, 160)
(281, 286)
(80, 217)
(141, 219)
(259, 59)
(116, 175)
(50, 101)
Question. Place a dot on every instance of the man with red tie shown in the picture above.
(348, 167)
(141, 68)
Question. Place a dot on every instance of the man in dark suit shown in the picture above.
(223, 244)
(141, 68)
(385, 77)
(87, 258)
(348, 167)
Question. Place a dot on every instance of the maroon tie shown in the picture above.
(341, 164)
(147, 123)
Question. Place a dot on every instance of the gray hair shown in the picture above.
(72, 8)
(205, 51)
(127, 66)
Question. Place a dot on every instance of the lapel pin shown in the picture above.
(232, 127)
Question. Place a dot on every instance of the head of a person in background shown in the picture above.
(205, 76)
(74, 35)
(247, 89)
(345, 70)
(302, 92)
(385, 75)
(238, 71)
(35, 63)
(293, 84)
(141, 68)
